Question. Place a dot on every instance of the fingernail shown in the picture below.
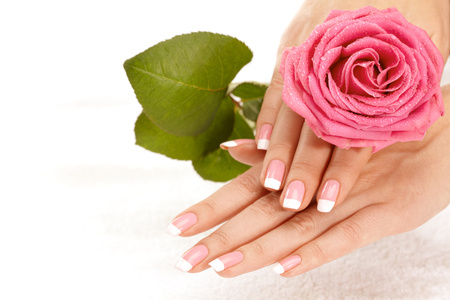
(274, 176)
(294, 195)
(328, 196)
(181, 224)
(226, 261)
(235, 143)
(264, 137)
(287, 264)
(192, 258)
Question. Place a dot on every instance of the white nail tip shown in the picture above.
(291, 203)
(173, 230)
(217, 265)
(325, 205)
(263, 144)
(229, 144)
(183, 265)
(278, 268)
(272, 183)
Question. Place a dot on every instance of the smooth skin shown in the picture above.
(306, 157)
(400, 188)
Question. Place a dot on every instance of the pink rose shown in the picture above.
(365, 78)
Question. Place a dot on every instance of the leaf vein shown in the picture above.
(177, 81)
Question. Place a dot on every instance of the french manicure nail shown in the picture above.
(328, 196)
(235, 143)
(226, 261)
(287, 264)
(192, 258)
(294, 195)
(181, 224)
(264, 137)
(274, 176)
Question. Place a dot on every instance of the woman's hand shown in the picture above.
(400, 188)
(297, 162)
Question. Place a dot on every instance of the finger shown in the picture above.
(284, 141)
(269, 111)
(342, 172)
(244, 151)
(255, 220)
(279, 242)
(220, 206)
(361, 229)
(306, 171)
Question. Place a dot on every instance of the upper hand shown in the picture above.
(298, 163)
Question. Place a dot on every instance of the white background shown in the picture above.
(83, 211)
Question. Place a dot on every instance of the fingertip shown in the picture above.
(287, 264)
(228, 144)
(340, 176)
(227, 261)
(291, 204)
(273, 179)
(328, 196)
(181, 224)
(325, 206)
(235, 143)
(293, 197)
(265, 132)
(245, 152)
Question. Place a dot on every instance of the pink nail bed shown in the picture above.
(328, 196)
(226, 261)
(181, 224)
(294, 195)
(274, 176)
(235, 143)
(264, 137)
(192, 258)
(287, 264)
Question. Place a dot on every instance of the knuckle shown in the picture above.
(301, 224)
(221, 239)
(343, 166)
(305, 166)
(272, 100)
(351, 231)
(246, 183)
(210, 208)
(259, 249)
(266, 207)
(282, 147)
(276, 82)
(267, 113)
(317, 251)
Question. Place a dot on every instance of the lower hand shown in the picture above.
(400, 188)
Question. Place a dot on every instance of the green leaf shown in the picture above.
(153, 138)
(180, 82)
(251, 95)
(251, 109)
(241, 130)
(219, 165)
(248, 91)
